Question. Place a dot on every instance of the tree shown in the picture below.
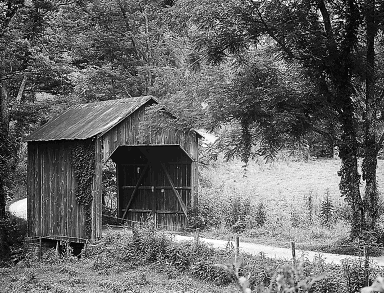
(332, 47)
(26, 68)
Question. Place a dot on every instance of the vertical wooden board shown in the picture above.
(44, 192)
(94, 190)
(55, 194)
(35, 210)
(69, 210)
(41, 189)
(38, 182)
(119, 134)
(99, 209)
(188, 174)
(193, 185)
(118, 189)
(65, 191)
(50, 165)
(52, 194)
(73, 205)
(124, 132)
(53, 198)
(31, 191)
(54, 203)
(134, 128)
(128, 130)
(60, 189)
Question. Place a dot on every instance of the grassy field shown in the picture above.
(292, 193)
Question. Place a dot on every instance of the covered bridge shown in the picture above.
(156, 170)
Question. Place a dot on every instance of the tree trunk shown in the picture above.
(350, 179)
(4, 146)
(4, 151)
(369, 167)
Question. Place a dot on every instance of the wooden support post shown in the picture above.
(197, 235)
(57, 248)
(68, 249)
(40, 248)
(293, 253)
(84, 251)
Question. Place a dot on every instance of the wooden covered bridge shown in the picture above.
(156, 172)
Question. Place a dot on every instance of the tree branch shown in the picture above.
(4, 111)
(325, 133)
(270, 32)
(327, 25)
(128, 27)
(21, 90)
(8, 17)
(380, 142)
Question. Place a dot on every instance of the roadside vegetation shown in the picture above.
(279, 202)
(148, 261)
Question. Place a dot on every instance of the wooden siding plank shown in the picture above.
(38, 193)
(64, 204)
(96, 190)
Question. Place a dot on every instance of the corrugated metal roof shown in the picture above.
(87, 120)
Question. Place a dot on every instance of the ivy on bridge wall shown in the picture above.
(83, 163)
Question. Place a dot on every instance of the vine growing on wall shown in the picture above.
(83, 163)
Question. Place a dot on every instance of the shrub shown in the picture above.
(326, 211)
(149, 244)
(295, 218)
(219, 274)
(14, 231)
(260, 215)
(310, 207)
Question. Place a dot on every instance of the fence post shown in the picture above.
(237, 244)
(293, 254)
(366, 265)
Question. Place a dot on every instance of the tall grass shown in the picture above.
(281, 201)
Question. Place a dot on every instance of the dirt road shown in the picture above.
(277, 252)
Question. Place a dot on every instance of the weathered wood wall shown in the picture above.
(129, 132)
(53, 211)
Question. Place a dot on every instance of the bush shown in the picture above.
(219, 274)
(149, 244)
(260, 215)
(326, 211)
(14, 231)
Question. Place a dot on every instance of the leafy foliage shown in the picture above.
(83, 164)
(320, 78)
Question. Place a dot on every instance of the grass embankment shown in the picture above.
(147, 261)
(277, 203)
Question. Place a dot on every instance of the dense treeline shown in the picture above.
(264, 75)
